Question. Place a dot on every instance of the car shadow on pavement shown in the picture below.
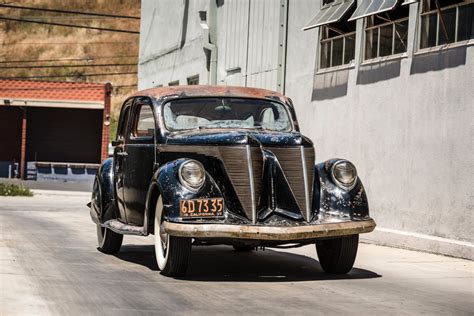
(222, 263)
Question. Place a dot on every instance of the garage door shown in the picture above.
(64, 135)
(10, 134)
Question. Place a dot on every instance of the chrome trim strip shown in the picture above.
(285, 234)
(306, 186)
(252, 184)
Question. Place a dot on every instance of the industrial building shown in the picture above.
(53, 130)
(385, 84)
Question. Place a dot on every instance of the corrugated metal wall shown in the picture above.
(263, 44)
(259, 48)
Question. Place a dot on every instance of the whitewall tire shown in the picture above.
(172, 253)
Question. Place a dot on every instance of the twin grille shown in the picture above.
(297, 164)
(293, 161)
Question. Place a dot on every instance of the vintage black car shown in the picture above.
(205, 165)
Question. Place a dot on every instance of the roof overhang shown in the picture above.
(65, 104)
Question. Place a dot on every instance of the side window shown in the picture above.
(144, 122)
(124, 118)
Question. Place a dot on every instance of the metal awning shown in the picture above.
(330, 13)
(371, 7)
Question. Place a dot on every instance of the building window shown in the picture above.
(337, 34)
(337, 45)
(174, 83)
(444, 22)
(386, 33)
(194, 80)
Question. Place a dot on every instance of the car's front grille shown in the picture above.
(293, 162)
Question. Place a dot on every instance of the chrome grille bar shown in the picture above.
(252, 184)
(306, 186)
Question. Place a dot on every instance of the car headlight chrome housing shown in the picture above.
(344, 174)
(192, 175)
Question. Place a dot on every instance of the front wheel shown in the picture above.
(108, 240)
(337, 255)
(172, 253)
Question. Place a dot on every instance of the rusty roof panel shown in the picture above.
(210, 91)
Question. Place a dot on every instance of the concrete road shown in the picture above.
(50, 265)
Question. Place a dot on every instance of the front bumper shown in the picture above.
(272, 233)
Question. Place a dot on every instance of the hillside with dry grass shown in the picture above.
(56, 53)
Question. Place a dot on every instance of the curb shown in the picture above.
(60, 193)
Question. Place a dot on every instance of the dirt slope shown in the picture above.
(34, 42)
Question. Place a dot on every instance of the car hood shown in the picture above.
(237, 137)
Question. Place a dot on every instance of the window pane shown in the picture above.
(401, 34)
(386, 35)
(145, 123)
(428, 30)
(449, 17)
(325, 54)
(337, 52)
(466, 22)
(349, 49)
(228, 113)
(371, 43)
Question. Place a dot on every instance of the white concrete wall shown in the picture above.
(171, 42)
(405, 123)
(410, 136)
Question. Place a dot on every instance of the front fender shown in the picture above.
(329, 200)
(172, 191)
(103, 194)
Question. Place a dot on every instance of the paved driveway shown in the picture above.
(49, 265)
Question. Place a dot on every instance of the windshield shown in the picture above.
(232, 113)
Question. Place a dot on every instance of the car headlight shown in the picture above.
(344, 174)
(192, 175)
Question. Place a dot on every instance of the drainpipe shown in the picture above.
(209, 26)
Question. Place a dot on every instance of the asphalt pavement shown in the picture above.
(49, 264)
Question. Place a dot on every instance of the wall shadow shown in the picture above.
(222, 263)
(330, 85)
(376, 72)
(439, 60)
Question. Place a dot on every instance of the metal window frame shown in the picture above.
(378, 27)
(435, 11)
(191, 79)
(331, 40)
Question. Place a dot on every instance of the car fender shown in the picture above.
(331, 200)
(103, 194)
(166, 183)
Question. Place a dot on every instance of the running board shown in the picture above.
(124, 229)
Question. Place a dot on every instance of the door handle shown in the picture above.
(122, 153)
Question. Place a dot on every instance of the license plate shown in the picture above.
(202, 207)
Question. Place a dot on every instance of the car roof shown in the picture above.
(211, 91)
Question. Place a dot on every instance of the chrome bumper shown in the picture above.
(269, 232)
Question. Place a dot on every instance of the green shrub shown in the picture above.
(7, 189)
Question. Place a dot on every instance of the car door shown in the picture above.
(119, 157)
(140, 159)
